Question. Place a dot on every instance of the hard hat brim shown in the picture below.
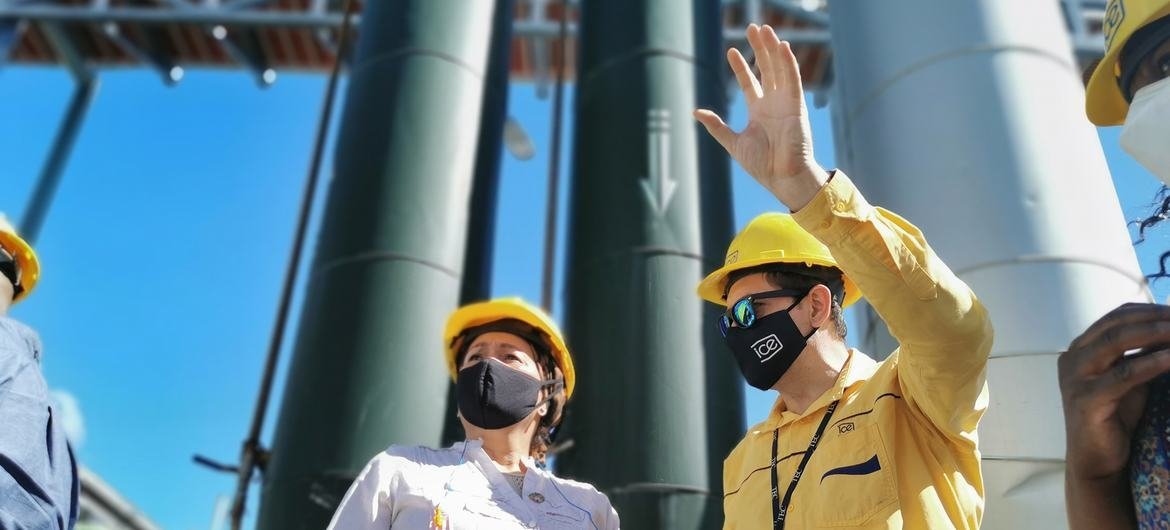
(712, 287)
(26, 259)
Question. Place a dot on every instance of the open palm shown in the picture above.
(776, 146)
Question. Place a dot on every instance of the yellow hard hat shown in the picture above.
(772, 238)
(26, 259)
(1104, 102)
(481, 313)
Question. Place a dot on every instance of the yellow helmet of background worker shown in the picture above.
(481, 313)
(26, 259)
(768, 239)
(1104, 102)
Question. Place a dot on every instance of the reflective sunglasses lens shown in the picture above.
(744, 313)
(724, 324)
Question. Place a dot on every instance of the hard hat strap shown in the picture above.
(11, 270)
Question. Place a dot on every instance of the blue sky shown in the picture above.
(165, 250)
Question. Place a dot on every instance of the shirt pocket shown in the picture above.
(562, 517)
(491, 514)
(854, 479)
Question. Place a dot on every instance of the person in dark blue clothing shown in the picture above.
(38, 472)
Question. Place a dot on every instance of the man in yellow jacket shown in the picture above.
(850, 442)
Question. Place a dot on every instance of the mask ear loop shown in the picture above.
(797, 302)
(557, 383)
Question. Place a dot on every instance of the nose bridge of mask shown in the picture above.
(556, 382)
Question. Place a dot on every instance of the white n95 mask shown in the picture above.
(1146, 134)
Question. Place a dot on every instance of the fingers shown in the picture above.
(743, 74)
(1108, 347)
(717, 128)
(1123, 315)
(1131, 373)
(764, 59)
(787, 73)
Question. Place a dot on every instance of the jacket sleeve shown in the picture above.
(369, 503)
(611, 521)
(943, 331)
(30, 495)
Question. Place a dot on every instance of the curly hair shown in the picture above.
(1161, 211)
(542, 439)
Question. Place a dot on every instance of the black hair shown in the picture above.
(1161, 205)
(801, 277)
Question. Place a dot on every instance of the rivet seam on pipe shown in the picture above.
(885, 85)
(405, 52)
(382, 256)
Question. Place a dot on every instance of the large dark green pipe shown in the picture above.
(658, 404)
(485, 190)
(368, 369)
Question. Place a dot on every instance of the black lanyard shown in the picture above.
(780, 509)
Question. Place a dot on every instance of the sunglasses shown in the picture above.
(743, 313)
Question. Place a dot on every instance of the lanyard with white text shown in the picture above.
(780, 509)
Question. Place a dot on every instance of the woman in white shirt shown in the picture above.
(513, 375)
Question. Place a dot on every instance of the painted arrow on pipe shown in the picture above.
(659, 188)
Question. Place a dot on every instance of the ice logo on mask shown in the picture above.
(767, 347)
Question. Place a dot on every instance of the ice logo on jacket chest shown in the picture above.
(767, 347)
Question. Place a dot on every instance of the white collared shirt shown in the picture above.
(401, 487)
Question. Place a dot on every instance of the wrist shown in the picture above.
(1098, 502)
(798, 190)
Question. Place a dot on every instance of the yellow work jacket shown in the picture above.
(901, 449)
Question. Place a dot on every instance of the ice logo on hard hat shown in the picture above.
(767, 347)
(1114, 16)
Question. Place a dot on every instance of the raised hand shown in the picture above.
(1104, 393)
(776, 147)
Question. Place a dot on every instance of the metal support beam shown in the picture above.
(323, 35)
(50, 177)
(242, 45)
(9, 31)
(244, 48)
(541, 57)
(305, 19)
(148, 53)
(66, 51)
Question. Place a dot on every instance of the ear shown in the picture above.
(821, 299)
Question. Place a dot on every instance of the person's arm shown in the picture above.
(944, 331)
(24, 417)
(369, 503)
(1103, 393)
(611, 521)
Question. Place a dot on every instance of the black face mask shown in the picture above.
(767, 349)
(492, 395)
